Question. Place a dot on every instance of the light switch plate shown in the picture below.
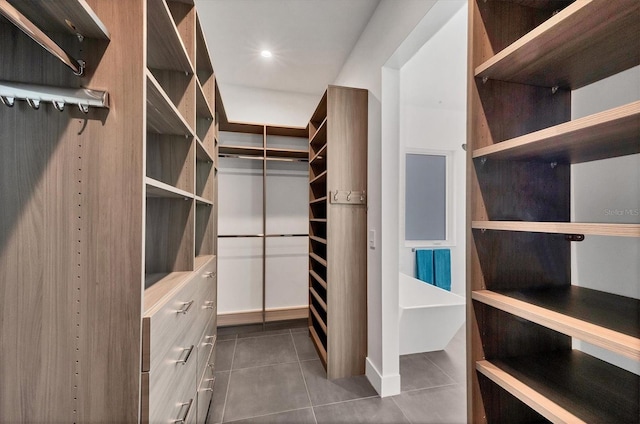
(372, 239)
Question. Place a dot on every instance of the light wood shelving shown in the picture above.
(337, 232)
(265, 144)
(522, 309)
(130, 200)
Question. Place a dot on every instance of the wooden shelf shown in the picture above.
(320, 220)
(594, 229)
(157, 188)
(319, 299)
(203, 109)
(602, 135)
(318, 319)
(201, 260)
(319, 158)
(554, 53)
(54, 15)
(318, 278)
(318, 239)
(600, 318)
(204, 68)
(318, 259)
(201, 152)
(240, 150)
(203, 201)
(300, 132)
(568, 386)
(165, 49)
(162, 115)
(318, 200)
(318, 344)
(320, 178)
(319, 115)
(287, 153)
(320, 137)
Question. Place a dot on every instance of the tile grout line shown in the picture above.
(304, 379)
(376, 396)
(401, 410)
(226, 394)
(443, 371)
(266, 415)
(429, 388)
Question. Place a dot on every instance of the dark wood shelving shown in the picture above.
(568, 386)
(318, 278)
(554, 53)
(603, 135)
(600, 318)
(318, 259)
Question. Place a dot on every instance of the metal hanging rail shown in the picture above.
(235, 156)
(28, 27)
(34, 94)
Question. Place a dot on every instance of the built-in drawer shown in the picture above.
(163, 324)
(206, 345)
(169, 394)
(205, 392)
(186, 312)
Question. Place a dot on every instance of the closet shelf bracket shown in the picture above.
(29, 28)
(58, 96)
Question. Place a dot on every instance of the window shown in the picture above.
(428, 185)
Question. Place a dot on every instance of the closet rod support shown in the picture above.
(29, 28)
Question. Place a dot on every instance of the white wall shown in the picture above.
(433, 93)
(392, 36)
(607, 191)
(249, 104)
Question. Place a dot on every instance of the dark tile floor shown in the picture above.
(275, 376)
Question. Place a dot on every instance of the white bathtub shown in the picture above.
(429, 316)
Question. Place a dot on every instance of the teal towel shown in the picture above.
(442, 268)
(424, 265)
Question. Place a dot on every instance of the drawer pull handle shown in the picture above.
(209, 343)
(187, 356)
(209, 274)
(186, 412)
(212, 381)
(209, 304)
(185, 307)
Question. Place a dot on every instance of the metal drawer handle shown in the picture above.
(187, 356)
(212, 381)
(211, 343)
(209, 304)
(185, 307)
(186, 412)
(209, 274)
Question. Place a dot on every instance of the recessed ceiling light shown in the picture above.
(265, 53)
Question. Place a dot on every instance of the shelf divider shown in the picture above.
(594, 229)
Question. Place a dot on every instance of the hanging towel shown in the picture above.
(442, 268)
(424, 265)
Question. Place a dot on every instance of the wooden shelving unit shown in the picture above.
(337, 231)
(268, 145)
(525, 58)
(122, 283)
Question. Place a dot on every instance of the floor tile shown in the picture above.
(304, 346)
(302, 329)
(372, 410)
(453, 364)
(263, 333)
(222, 337)
(323, 391)
(300, 416)
(418, 372)
(224, 354)
(440, 405)
(219, 396)
(265, 390)
(268, 350)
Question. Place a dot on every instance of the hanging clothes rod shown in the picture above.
(58, 96)
(227, 155)
(29, 28)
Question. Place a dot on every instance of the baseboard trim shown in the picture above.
(255, 317)
(385, 385)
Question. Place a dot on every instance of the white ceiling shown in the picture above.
(310, 40)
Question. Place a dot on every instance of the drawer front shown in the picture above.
(205, 393)
(207, 303)
(161, 329)
(206, 345)
(171, 393)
